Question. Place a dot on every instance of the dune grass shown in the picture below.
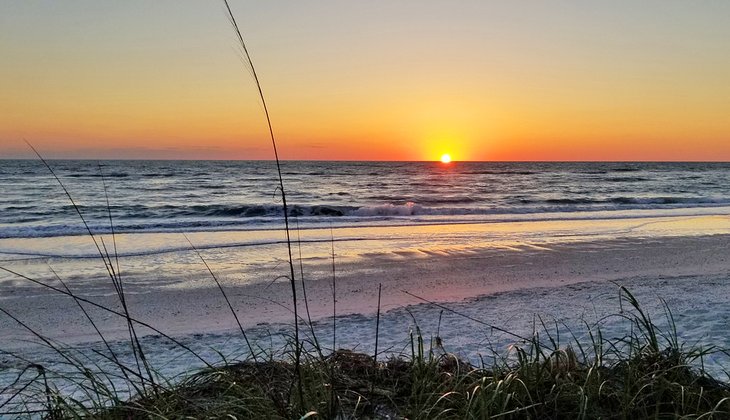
(645, 373)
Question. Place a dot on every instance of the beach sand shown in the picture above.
(554, 277)
(568, 252)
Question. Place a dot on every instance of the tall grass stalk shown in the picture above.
(292, 280)
(471, 318)
(315, 341)
(377, 323)
(225, 297)
(112, 354)
(137, 350)
(111, 229)
(108, 310)
(334, 292)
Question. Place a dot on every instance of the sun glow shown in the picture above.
(445, 158)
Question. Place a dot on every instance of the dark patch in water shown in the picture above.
(627, 179)
(254, 211)
(570, 201)
(325, 211)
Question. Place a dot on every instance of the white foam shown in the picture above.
(407, 209)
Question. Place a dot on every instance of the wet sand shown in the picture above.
(650, 249)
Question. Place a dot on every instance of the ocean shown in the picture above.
(194, 196)
(232, 209)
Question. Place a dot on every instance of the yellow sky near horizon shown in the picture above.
(378, 81)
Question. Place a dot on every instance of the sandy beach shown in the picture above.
(588, 253)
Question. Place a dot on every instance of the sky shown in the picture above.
(368, 80)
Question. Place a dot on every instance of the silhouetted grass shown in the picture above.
(292, 280)
(646, 373)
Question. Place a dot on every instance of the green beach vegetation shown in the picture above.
(647, 373)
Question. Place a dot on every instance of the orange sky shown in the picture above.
(374, 80)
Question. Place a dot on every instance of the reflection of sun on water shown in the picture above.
(445, 158)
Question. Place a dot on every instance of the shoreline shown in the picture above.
(447, 275)
(497, 285)
(313, 223)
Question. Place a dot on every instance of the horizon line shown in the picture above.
(366, 160)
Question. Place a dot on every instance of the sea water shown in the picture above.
(185, 196)
(232, 210)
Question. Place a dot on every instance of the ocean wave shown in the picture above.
(626, 169)
(668, 200)
(407, 209)
(628, 202)
(498, 172)
(235, 217)
(622, 179)
(76, 229)
(565, 201)
(96, 175)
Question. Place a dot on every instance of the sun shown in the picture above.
(445, 158)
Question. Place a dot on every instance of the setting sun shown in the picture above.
(445, 158)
